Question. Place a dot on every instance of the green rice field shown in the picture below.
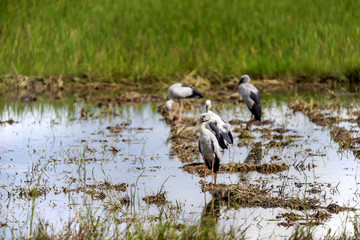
(158, 39)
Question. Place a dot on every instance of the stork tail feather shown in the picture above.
(256, 110)
(228, 137)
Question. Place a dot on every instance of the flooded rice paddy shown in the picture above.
(63, 160)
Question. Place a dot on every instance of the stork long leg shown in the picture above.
(180, 111)
(212, 174)
(205, 197)
(248, 125)
(204, 173)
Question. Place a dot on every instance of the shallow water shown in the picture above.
(51, 147)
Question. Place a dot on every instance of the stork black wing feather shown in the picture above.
(218, 135)
(256, 108)
(195, 92)
(256, 98)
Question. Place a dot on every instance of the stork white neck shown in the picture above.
(203, 127)
(169, 104)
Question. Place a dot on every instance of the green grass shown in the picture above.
(145, 39)
(90, 227)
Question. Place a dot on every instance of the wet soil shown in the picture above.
(27, 89)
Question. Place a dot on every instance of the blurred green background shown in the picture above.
(152, 39)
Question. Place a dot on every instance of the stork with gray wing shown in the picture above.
(209, 148)
(251, 97)
(178, 92)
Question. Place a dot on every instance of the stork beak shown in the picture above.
(236, 87)
(196, 127)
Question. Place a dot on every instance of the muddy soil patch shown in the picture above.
(198, 168)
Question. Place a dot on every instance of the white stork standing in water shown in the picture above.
(179, 91)
(218, 126)
(251, 97)
(209, 148)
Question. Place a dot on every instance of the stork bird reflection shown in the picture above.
(251, 97)
(179, 91)
(218, 126)
(209, 148)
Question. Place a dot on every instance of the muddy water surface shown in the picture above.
(63, 158)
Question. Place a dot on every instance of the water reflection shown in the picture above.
(254, 157)
(210, 214)
(255, 154)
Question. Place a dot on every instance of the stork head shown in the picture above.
(243, 79)
(169, 104)
(207, 105)
(204, 118)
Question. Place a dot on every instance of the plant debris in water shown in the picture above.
(32, 192)
(183, 141)
(9, 121)
(313, 111)
(121, 187)
(157, 199)
(291, 218)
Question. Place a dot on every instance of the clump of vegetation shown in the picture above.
(251, 195)
(261, 168)
(343, 137)
(311, 110)
(278, 144)
(9, 121)
(32, 192)
(157, 199)
(245, 134)
(292, 218)
(95, 189)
